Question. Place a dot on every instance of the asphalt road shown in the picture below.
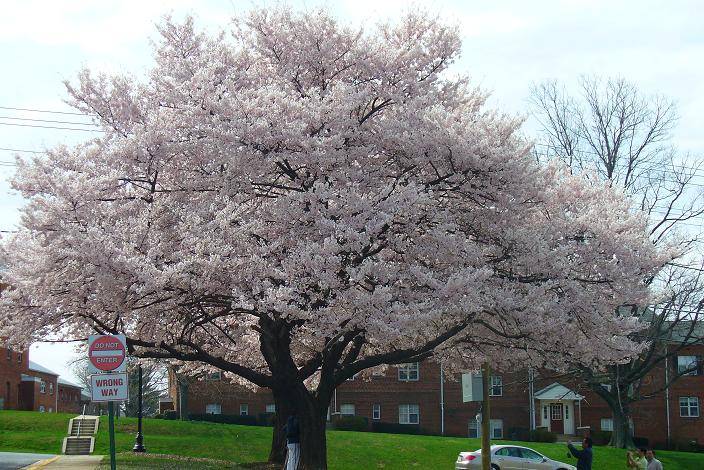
(13, 460)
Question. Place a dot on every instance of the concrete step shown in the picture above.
(78, 445)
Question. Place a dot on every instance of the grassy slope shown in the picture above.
(43, 432)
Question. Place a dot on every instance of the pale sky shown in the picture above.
(508, 45)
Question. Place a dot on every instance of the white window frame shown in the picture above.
(244, 409)
(213, 409)
(474, 430)
(496, 425)
(606, 387)
(409, 413)
(271, 408)
(42, 386)
(376, 411)
(51, 388)
(345, 409)
(409, 372)
(607, 424)
(685, 362)
(41, 409)
(497, 384)
(691, 404)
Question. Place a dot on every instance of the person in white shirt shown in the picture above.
(653, 463)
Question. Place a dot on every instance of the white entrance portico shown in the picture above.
(556, 406)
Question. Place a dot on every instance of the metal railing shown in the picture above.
(80, 421)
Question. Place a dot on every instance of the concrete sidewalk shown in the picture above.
(67, 462)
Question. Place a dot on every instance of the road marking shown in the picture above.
(42, 463)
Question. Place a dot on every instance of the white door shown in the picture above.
(569, 418)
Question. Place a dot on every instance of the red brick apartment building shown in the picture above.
(420, 395)
(26, 385)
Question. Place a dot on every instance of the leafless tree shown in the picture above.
(611, 131)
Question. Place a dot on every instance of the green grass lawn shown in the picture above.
(23, 431)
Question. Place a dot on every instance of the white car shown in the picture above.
(510, 458)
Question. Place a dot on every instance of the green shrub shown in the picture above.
(518, 434)
(395, 428)
(601, 438)
(266, 419)
(542, 435)
(171, 414)
(248, 420)
(350, 423)
(641, 442)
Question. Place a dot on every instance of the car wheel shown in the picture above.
(494, 467)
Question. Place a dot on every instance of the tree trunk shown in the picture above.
(311, 417)
(277, 454)
(622, 435)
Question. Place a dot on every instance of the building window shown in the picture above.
(51, 388)
(42, 387)
(51, 410)
(9, 354)
(497, 428)
(567, 412)
(408, 414)
(545, 412)
(687, 363)
(556, 411)
(607, 424)
(408, 372)
(41, 408)
(497, 386)
(244, 409)
(376, 411)
(271, 408)
(214, 376)
(689, 407)
(474, 430)
(19, 357)
(606, 387)
(213, 409)
(347, 409)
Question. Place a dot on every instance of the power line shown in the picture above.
(20, 150)
(50, 127)
(49, 120)
(43, 111)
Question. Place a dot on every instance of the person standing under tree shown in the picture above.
(636, 460)
(653, 463)
(293, 443)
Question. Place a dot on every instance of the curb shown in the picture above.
(41, 463)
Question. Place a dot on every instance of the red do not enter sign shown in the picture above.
(107, 352)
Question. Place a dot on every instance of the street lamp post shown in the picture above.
(139, 441)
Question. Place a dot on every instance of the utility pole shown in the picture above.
(486, 417)
(139, 441)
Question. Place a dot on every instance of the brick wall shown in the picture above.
(512, 407)
(12, 365)
(69, 399)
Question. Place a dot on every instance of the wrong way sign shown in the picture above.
(109, 387)
(107, 353)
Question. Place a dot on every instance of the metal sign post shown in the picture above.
(486, 417)
(111, 431)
